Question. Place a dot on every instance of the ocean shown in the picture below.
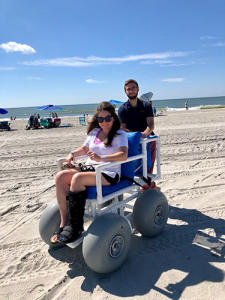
(80, 109)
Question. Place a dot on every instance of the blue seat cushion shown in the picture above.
(106, 190)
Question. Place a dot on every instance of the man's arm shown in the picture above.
(150, 127)
(122, 117)
(123, 126)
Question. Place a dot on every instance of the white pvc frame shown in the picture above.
(95, 207)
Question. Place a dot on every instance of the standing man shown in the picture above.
(137, 115)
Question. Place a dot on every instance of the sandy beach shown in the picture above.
(186, 261)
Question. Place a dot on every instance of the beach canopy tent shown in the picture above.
(146, 97)
(3, 111)
(49, 107)
(115, 101)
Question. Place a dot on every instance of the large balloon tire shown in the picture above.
(150, 213)
(106, 245)
(49, 222)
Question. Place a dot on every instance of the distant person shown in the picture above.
(186, 105)
(36, 122)
(154, 111)
(137, 115)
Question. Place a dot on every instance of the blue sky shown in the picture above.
(73, 52)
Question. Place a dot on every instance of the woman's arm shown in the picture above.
(82, 150)
(118, 156)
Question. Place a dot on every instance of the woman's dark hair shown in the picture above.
(105, 106)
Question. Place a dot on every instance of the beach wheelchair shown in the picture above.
(113, 213)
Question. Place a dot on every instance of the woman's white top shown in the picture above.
(100, 148)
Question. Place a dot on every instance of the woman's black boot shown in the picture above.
(76, 208)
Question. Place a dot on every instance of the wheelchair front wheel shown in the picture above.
(49, 221)
(106, 245)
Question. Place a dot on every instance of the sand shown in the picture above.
(186, 261)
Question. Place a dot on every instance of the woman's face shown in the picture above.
(105, 120)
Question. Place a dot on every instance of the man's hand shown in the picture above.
(144, 135)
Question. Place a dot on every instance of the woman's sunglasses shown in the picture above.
(106, 119)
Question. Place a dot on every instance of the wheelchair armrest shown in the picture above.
(101, 167)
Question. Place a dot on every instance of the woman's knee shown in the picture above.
(76, 178)
(77, 181)
(60, 177)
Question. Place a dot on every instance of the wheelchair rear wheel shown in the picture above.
(150, 213)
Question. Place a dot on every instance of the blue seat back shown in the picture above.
(139, 168)
(128, 168)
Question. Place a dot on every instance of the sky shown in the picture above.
(82, 51)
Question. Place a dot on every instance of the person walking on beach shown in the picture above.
(137, 115)
(105, 142)
(186, 105)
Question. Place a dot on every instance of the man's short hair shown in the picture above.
(130, 81)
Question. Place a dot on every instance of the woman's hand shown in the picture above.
(69, 159)
(94, 156)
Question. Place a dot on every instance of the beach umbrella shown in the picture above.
(146, 97)
(115, 101)
(49, 107)
(3, 111)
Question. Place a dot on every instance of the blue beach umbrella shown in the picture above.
(49, 107)
(115, 101)
(3, 111)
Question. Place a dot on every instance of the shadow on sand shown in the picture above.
(189, 248)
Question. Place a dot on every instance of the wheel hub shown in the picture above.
(159, 215)
(116, 246)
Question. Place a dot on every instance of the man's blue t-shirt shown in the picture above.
(135, 117)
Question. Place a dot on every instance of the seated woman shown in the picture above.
(106, 142)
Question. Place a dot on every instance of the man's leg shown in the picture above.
(153, 156)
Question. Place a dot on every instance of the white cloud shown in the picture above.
(59, 62)
(34, 78)
(95, 60)
(207, 37)
(93, 81)
(7, 68)
(159, 61)
(179, 79)
(218, 44)
(16, 47)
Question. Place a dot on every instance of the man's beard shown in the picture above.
(133, 97)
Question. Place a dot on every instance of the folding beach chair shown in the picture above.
(82, 121)
(5, 125)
